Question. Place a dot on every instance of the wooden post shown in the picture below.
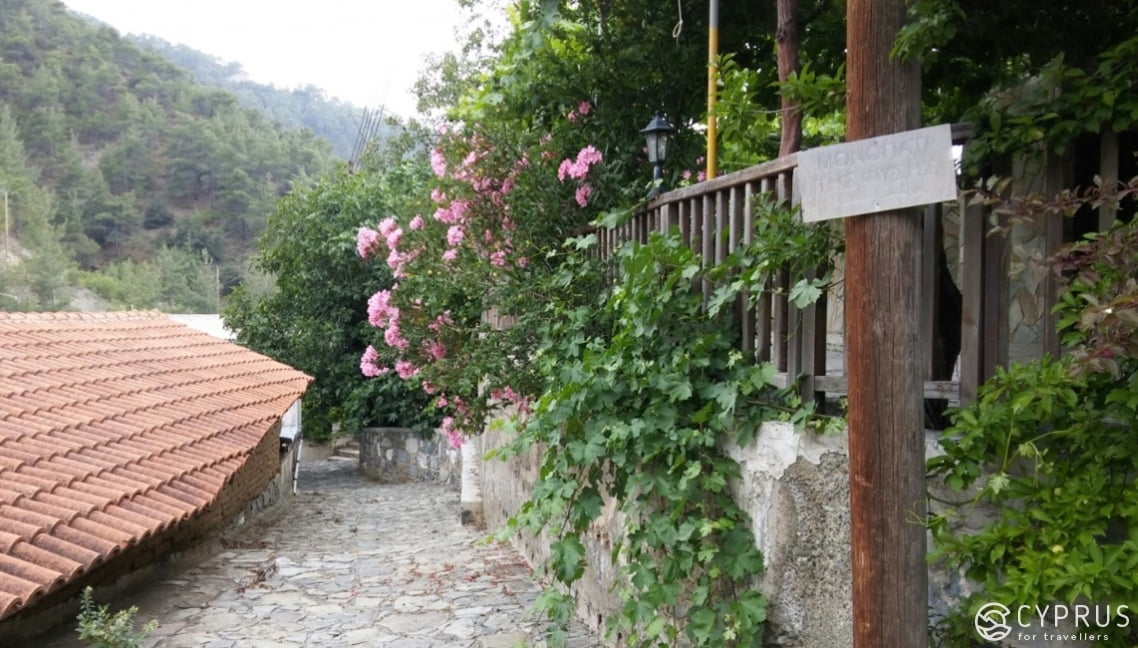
(1108, 171)
(972, 228)
(1055, 180)
(886, 435)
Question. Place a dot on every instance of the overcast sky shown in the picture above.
(368, 52)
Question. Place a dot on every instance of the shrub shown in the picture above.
(105, 630)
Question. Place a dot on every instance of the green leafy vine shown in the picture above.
(1058, 104)
(645, 386)
(1048, 455)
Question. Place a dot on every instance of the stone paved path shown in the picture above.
(352, 563)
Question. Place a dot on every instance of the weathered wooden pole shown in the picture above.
(883, 361)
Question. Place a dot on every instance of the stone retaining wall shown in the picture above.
(401, 455)
(794, 486)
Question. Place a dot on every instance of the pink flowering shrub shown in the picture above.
(367, 241)
(368, 366)
(497, 205)
(318, 319)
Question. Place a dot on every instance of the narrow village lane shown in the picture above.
(352, 563)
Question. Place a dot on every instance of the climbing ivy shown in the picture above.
(1059, 103)
(1049, 450)
(645, 385)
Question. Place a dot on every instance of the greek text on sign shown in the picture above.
(877, 174)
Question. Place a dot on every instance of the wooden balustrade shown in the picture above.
(718, 216)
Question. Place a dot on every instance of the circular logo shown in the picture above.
(991, 621)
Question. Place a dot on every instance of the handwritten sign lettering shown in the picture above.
(877, 174)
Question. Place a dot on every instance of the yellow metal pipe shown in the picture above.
(712, 86)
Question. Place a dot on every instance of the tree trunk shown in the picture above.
(788, 38)
(886, 436)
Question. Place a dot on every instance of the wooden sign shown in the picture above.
(878, 174)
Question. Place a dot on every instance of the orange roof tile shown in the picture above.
(113, 427)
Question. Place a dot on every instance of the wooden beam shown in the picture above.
(928, 279)
(1055, 182)
(1108, 172)
(750, 174)
(707, 240)
(779, 317)
(837, 385)
(886, 418)
(972, 226)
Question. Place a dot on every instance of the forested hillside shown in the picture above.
(123, 174)
(306, 107)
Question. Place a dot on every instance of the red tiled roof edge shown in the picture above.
(115, 427)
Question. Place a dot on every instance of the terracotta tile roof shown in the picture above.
(113, 427)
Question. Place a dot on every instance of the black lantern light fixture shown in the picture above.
(657, 133)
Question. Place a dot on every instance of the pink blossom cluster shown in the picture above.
(380, 311)
(368, 363)
(583, 193)
(441, 321)
(452, 214)
(392, 235)
(454, 435)
(382, 314)
(489, 199)
(435, 350)
(508, 395)
(582, 109)
(438, 163)
(367, 241)
(389, 229)
(452, 426)
(476, 218)
(405, 369)
(393, 336)
(579, 168)
(700, 176)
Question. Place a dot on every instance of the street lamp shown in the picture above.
(657, 133)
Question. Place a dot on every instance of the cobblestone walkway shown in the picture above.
(352, 563)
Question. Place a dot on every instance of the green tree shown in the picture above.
(128, 143)
(190, 280)
(307, 107)
(47, 270)
(316, 321)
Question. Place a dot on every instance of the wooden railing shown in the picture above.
(999, 283)
(717, 217)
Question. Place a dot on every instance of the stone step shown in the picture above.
(346, 448)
